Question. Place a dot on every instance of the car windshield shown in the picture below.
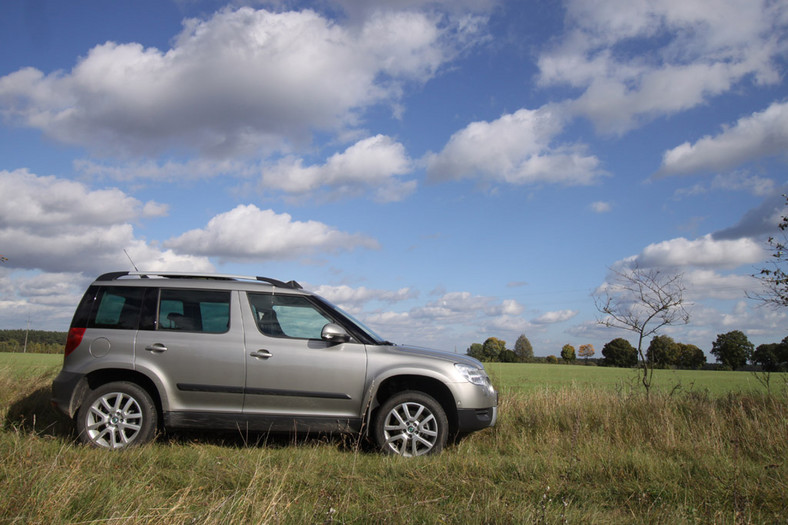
(361, 326)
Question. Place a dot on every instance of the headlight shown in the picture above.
(472, 374)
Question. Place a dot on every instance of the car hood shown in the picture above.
(437, 354)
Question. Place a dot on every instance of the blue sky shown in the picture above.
(447, 170)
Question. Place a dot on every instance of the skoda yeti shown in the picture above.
(153, 350)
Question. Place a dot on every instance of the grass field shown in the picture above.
(573, 444)
(531, 377)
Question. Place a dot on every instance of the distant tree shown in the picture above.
(772, 357)
(523, 349)
(568, 353)
(551, 359)
(586, 351)
(690, 356)
(663, 351)
(782, 353)
(476, 350)
(765, 356)
(642, 300)
(732, 349)
(492, 348)
(620, 352)
(508, 356)
(774, 278)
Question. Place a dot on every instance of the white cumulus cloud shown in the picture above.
(635, 60)
(372, 163)
(558, 316)
(354, 298)
(704, 252)
(51, 202)
(517, 148)
(704, 284)
(58, 225)
(241, 81)
(759, 135)
(247, 232)
(601, 207)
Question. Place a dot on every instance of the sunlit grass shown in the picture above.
(571, 453)
(527, 377)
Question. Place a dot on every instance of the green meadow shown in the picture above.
(526, 378)
(573, 444)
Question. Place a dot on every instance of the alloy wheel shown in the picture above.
(410, 429)
(114, 420)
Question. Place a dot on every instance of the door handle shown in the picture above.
(156, 348)
(262, 354)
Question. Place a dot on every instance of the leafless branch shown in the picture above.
(642, 300)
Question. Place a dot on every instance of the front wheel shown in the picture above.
(117, 415)
(411, 424)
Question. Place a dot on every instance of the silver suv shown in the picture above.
(147, 350)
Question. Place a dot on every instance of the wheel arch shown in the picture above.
(98, 378)
(428, 385)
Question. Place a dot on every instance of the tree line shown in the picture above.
(494, 349)
(33, 341)
(733, 350)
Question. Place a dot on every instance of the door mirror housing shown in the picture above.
(334, 334)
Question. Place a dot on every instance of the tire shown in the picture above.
(116, 416)
(411, 424)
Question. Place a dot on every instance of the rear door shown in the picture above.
(290, 370)
(196, 349)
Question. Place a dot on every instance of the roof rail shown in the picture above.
(280, 284)
(113, 276)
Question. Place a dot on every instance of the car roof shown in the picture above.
(190, 279)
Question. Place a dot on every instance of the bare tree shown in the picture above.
(774, 277)
(642, 300)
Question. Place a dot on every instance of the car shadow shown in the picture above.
(34, 414)
(271, 440)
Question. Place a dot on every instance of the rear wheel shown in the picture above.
(411, 424)
(117, 415)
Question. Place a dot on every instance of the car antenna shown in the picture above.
(130, 260)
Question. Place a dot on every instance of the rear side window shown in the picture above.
(205, 311)
(82, 314)
(116, 307)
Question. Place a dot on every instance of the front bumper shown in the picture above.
(472, 419)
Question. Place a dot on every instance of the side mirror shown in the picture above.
(334, 334)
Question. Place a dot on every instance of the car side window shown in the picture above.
(117, 307)
(205, 311)
(291, 316)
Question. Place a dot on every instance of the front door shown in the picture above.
(290, 370)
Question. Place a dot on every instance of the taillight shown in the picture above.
(74, 338)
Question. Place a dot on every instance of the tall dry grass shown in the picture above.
(571, 455)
